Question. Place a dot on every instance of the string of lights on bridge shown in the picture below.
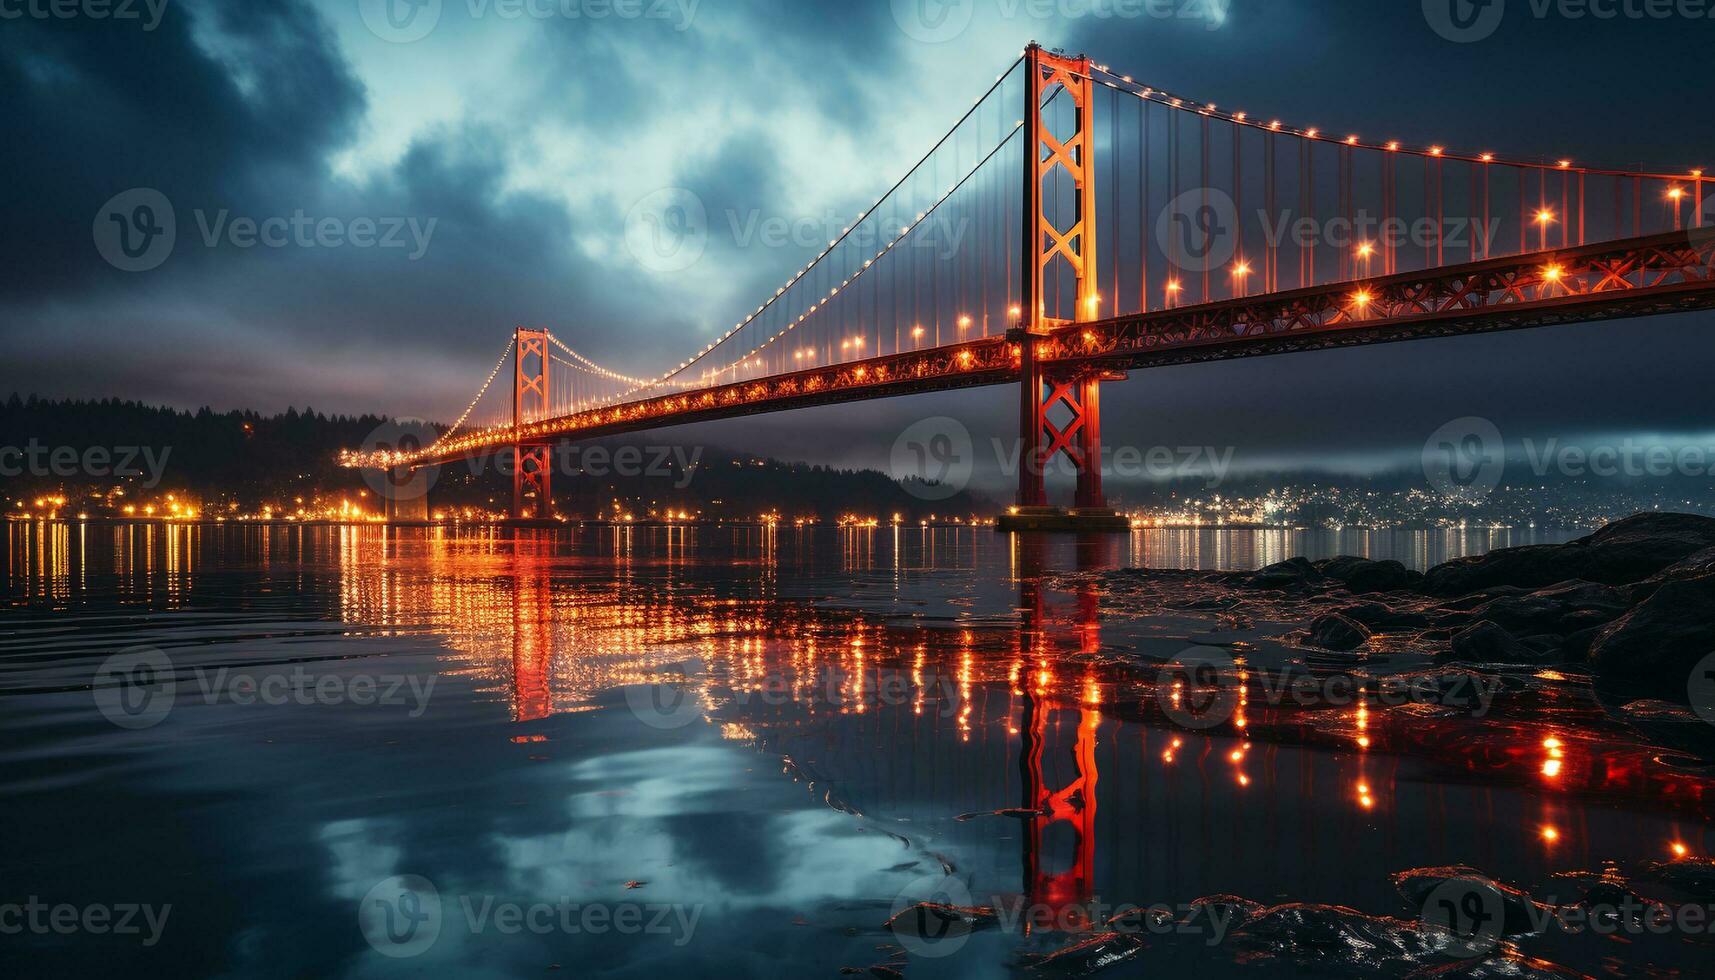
(851, 272)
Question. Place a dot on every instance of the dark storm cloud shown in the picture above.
(254, 108)
(96, 107)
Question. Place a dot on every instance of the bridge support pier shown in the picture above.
(1064, 416)
(532, 463)
(532, 475)
(1048, 249)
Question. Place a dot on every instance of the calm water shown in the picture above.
(657, 752)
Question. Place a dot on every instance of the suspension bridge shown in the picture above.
(1076, 224)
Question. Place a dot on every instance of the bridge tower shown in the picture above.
(532, 462)
(1046, 248)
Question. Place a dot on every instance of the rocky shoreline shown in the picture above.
(1633, 604)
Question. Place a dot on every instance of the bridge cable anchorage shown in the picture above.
(799, 276)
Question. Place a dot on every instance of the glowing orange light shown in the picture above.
(916, 331)
(1312, 132)
(1564, 164)
(1173, 286)
(1553, 274)
(1545, 216)
(1676, 194)
(1487, 158)
(1242, 269)
(1274, 124)
(1393, 144)
(1352, 140)
(1435, 151)
(1679, 850)
(1550, 834)
(1016, 311)
(964, 321)
(1362, 297)
(1366, 250)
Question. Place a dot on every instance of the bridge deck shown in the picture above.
(1665, 273)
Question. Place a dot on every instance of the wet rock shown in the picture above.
(1693, 876)
(1523, 913)
(1329, 937)
(937, 920)
(1294, 574)
(1560, 609)
(1487, 643)
(1697, 566)
(1499, 968)
(1671, 725)
(1092, 955)
(1622, 553)
(1653, 648)
(1378, 618)
(1215, 914)
(1332, 631)
(1361, 575)
(1466, 603)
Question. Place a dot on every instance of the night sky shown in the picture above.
(529, 139)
